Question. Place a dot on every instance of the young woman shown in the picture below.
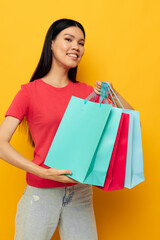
(51, 198)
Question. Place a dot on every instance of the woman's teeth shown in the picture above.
(72, 55)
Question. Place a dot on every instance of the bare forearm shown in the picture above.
(10, 155)
(125, 104)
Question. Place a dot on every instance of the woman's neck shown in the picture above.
(57, 76)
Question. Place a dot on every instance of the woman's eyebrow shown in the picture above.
(73, 36)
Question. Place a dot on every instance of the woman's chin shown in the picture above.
(69, 66)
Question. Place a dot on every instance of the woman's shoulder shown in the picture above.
(30, 86)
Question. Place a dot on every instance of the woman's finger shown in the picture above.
(67, 179)
(64, 171)
(97, 91)
(98, 84)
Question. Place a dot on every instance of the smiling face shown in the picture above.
(68, 47)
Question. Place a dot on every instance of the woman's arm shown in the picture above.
(10, 155)
(125, 104)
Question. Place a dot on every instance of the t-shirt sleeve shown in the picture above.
(86, 89)
(89, 88)
(20, 104)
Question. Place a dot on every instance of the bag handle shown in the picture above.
(105, 92)
(104, 95)
(92, 95)
(109, 88)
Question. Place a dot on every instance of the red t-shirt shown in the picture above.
(43, 106)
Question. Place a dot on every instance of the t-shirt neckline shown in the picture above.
(53, 87)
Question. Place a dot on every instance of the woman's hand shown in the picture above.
(97, 87)
(125, 104)
(58, 175)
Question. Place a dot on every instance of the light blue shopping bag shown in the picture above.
(134, 173)
(81, 139)
(134, 165)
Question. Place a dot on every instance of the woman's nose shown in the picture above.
(75, 46)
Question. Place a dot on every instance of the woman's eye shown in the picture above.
(68, 39)
(82, 44)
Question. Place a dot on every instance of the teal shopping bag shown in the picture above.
(102, 156)
(79, 142)
(134, 173)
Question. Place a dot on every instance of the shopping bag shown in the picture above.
(134, 173)
(102, 156)
(116, 171)
(134, 165)
(80, 141)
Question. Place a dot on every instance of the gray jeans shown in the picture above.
(41, 210)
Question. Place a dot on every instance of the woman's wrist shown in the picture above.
(42, 172)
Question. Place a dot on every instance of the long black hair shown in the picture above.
(45, 62)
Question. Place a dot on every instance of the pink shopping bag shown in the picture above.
(116, 171)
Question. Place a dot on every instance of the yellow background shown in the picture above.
(123, 47)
